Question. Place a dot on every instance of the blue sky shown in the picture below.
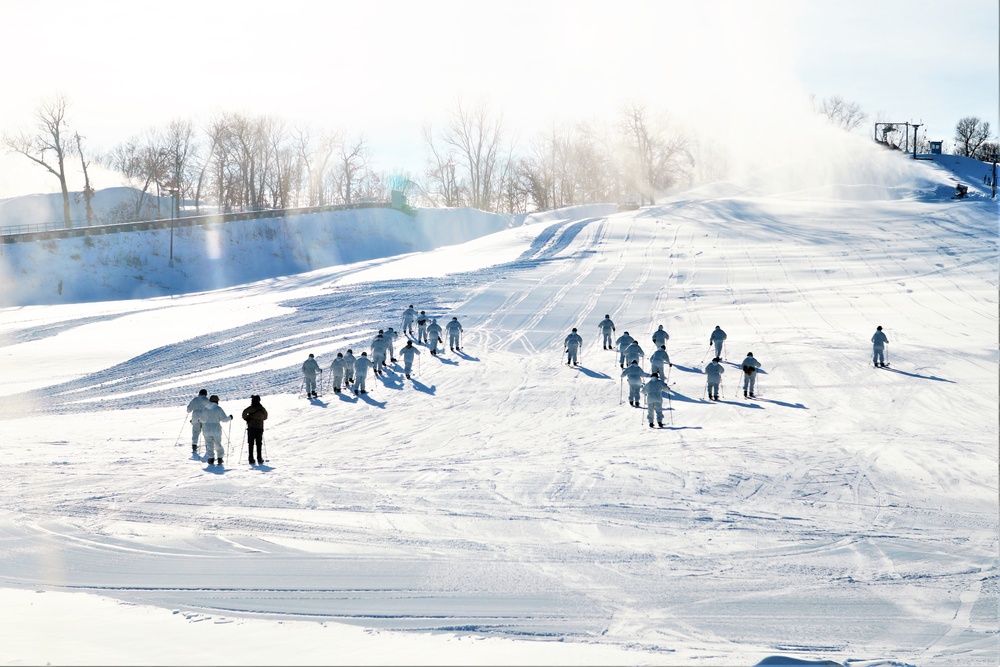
(388, 68)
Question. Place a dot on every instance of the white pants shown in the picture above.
(655, 409)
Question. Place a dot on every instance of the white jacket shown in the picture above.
(212, 418)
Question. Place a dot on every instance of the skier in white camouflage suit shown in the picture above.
(454, 334)
(878, 347)
(434, 335)
(717, 338)
(658, 360)
(408, 316)
(572, 344)
(633, 352)
(408, 352)
(660, 338)
(380, 348)
(714, 372)
(361, 367)
(349, 362)
(337, 370)
(309, 370)
(634, 373)
(211, 423)
(391, 335)
(607, 328)
(750, 367)
(623, 342)
(422, 321)
(653, 390)
(194, 408)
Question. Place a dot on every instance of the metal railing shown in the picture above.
(45, 231)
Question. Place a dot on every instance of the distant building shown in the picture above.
(936, 147)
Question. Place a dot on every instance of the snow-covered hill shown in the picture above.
(502, 507)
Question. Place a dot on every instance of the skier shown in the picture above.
(380, 347)
(197, 404)
(634, 373)
(623, 342)
(211, 423)
(658, 359)
(717, 338)
(390, 337)
(660, 337)
(750, 367)
(408, 352)
(361, 367)
(653, 391)
(434, 332)
(878, 350)
(454, 332)
(422, 322)
(633, 352)
(254, 415)
(337, 369)
(572, 343)
(607, 328)
(408, 316)
(349, 363)
(309, 370)
(714, 371)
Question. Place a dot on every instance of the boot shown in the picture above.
(211, 462)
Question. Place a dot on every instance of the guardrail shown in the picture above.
(46, 233)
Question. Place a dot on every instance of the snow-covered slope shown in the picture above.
(846, 513)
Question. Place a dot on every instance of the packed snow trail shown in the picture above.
(846, 511)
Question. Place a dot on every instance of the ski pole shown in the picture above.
(240, 456)
(263, 444)
(620, 390)
(177, 442)
(670, 407)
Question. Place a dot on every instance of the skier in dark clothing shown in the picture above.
(254, 415)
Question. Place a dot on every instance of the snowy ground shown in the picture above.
(503, 508)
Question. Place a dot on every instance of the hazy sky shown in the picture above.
(387, 68)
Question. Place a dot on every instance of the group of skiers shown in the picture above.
(630, 353)
(348, 371)
(207, 417)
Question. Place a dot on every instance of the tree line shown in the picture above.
(241, 162)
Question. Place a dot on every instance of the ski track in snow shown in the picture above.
(512, 494)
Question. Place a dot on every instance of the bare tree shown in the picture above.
(179, 148)
(655, 157)
(352, 160)
(88, 190)
(847, 115)
(970, 134)
(314, 158)
(143, 161)
(440, 172)
(216, 133)
(50, 136)
(476, 135)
